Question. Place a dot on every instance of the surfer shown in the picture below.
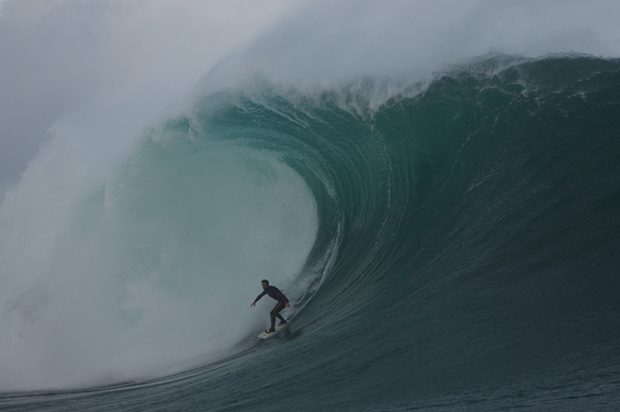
(276, 294)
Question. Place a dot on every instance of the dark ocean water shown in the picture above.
(466, 255)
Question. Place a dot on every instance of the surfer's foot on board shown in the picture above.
(270, 330)
(283, 322)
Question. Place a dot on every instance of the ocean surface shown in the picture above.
(446, 245)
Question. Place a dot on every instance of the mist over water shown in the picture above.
(333, 43)
(146, 273)
(133, 244)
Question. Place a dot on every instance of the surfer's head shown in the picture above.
(265, 283)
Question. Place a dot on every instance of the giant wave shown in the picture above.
(453, 244)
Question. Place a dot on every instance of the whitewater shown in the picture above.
(436, 193)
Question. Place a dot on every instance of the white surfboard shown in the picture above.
(266, 335)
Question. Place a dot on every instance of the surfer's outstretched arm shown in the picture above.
(257, 299)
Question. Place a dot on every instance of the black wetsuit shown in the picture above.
(276, 294)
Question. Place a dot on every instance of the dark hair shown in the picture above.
(265, 281)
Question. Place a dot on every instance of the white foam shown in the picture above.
(153, 277)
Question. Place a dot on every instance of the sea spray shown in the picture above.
(145, 274)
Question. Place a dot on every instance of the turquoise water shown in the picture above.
(453, 248)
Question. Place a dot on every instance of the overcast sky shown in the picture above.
(59, 56)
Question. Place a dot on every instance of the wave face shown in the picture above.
(454, 246)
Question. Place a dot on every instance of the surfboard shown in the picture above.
(266, 335)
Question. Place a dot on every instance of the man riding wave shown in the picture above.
(276, 294)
